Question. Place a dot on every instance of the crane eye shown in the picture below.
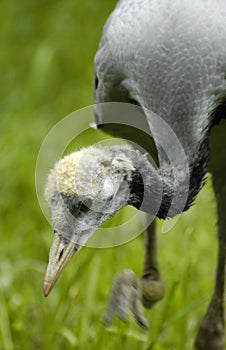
(85, 205)
(96, 82)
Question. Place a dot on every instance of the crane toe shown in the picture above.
(125, 299)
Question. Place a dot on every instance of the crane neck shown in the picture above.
(162, 192)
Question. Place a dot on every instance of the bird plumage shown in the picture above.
(168, 57)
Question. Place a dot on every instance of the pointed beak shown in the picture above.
(60, 254)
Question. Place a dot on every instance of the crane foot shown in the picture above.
(126, 297)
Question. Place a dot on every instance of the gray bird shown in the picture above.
(167, 59)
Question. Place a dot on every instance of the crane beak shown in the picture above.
(60, 254)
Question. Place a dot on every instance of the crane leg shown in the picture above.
(128, 291)
(211, 332)
(152, 285)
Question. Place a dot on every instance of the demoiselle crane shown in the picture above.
(168, 59)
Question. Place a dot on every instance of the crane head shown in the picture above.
(83, 190)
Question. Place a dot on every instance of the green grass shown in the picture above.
(46, 63)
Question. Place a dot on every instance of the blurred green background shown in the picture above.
(46, 63)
